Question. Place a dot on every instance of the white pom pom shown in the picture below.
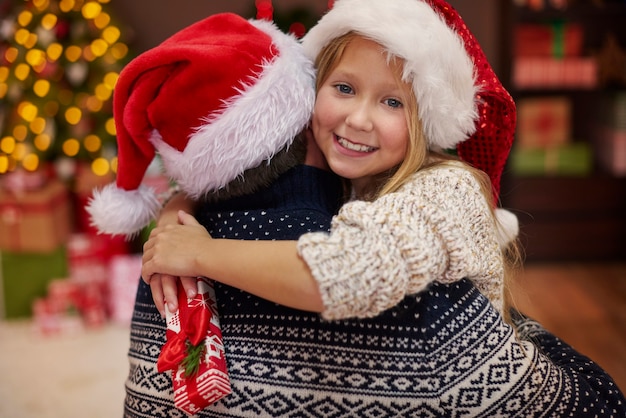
(508, 226)
(122, 212)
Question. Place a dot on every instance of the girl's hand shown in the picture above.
(164, 289)
(169, 256)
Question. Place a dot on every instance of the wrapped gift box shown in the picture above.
(57, 312)
(194, 351)
(572, 159)
(20, 180)
(35, 220)
(125, 273)
(543, 122)
(547, 72)
(89, 258)
(69, 306)
(24, 277)
(556, 40)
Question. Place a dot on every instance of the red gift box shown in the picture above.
(546, 72)
(57, 312)
(37, 221)
(48, 321)
(194, 351)
(548, 40)
(89, 259)
(544, 122)
(91, 304)
(125, 273)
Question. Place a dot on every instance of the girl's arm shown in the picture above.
(164, 286)
(169, 213)
(272, 270)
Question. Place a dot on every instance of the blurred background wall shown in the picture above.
(154, 20)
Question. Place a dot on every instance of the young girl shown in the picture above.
(416, 215)
(409, 279)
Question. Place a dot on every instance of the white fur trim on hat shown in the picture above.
(508, 226)
(268, 113)
(436, 62)
(122, 212)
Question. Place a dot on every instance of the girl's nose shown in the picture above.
(359, 117)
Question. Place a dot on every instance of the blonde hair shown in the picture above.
(418, 155)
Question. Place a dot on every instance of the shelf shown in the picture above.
(599, 193)
(596, 19)
(574, 12)
(570, 218)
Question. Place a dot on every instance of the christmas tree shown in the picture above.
(59, 62)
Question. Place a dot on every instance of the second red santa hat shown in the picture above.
(217, 98)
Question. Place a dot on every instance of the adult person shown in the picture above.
(223, 102)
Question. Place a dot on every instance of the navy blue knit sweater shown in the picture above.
(444, 352)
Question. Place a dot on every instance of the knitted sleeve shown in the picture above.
(438, 227)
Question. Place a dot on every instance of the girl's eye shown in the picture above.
(343, 88)
(395, 103)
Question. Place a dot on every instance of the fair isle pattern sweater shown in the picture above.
(443, 353)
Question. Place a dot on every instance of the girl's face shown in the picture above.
(359, 121)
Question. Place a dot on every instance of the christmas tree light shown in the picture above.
(59, 62)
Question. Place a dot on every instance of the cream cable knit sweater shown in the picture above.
(437, 227)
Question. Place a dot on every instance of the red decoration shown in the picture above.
(544, 122)
(546, 72)
(264, 9)
(124, 276)
(298, 29)
(199, 379)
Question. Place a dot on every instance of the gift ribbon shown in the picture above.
(558, 28)
(193, 321)
(194, 350)
(172, 353)
(35, 202)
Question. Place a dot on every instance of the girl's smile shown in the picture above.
(351, 146)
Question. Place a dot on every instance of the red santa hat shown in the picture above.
(462, 104)
(217, 98)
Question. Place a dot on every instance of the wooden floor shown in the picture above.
(584, 305)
